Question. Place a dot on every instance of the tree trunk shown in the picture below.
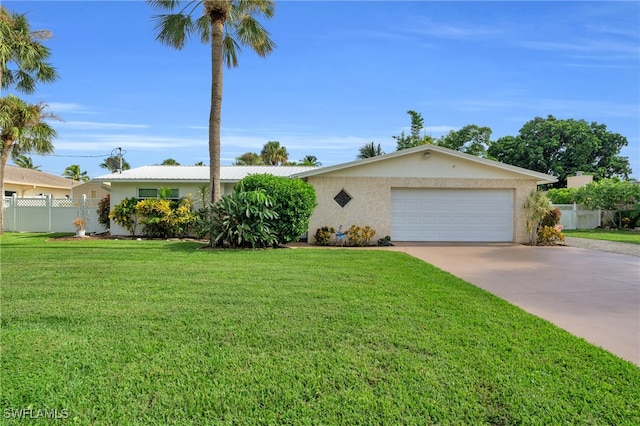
(217, 34)
(4, 157)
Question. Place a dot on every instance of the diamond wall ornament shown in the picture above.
(342, 198)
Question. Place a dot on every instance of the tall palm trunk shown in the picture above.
(218, 16)
(4, 157)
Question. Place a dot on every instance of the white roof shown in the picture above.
(541, 178)
(199, 173)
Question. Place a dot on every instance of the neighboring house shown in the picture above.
(92, 189)
(32, 183)
(426, 193)
(145, 182)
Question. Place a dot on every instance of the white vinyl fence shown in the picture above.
(575, 216)
(47, 214)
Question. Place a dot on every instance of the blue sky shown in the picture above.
(343, 74)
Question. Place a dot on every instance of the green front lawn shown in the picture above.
(155, 332)
(621, 236)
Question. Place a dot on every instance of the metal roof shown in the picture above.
(199, 173)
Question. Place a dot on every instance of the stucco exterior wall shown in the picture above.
(34, 190)
(371, 200)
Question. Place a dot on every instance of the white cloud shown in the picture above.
(97, 125)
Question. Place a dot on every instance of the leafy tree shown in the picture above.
(293, 199)
(22, 55)
(113, 163)
(369, 150)
(225, 25)
(564, 147)
(610, 194)
(170, 162)
(310, 160)
(23, 129)
(25, 162)
(273, 154)
(249, 159)
(470, 139)
(75, 173)
(563, 195)
(415, 139)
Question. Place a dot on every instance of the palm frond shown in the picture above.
(251, 33)
(230, 50)
(174, 29)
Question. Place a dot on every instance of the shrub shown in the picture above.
(124, 214)
(243, 219)
(358, 237)
(550, 235)
(103, 211)
(563, 195)
(293, 200)
(323, 235)
(163, 218)
(552, 218)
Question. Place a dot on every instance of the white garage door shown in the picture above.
(452, 215)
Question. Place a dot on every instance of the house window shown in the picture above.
(155, 193)
(9, 193)
(342, 198)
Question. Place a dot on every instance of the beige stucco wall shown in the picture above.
(579, 181)
(35, 190)
(371, 203)
(91, 189)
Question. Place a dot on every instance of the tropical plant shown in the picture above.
(310, 160)
(273, 154)
(199, 163)
(612, 195)
(124, 214)
(536, 206)
(162, 218)
(414, 139)
(169, 162)
(369, 150)
(22, 55)
(249, 159)
(112, 163)
(103, 211)
(243, 219)
(323, 235)
(23, 129)
(225, 25)
(74, 172)
(293, 199)
(25, 162)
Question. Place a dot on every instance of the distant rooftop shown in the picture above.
(22, 176)
(198, 173)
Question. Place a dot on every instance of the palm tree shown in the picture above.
(75, 173)
(273, 154)
(25, 162)
(170, 162)
(309, 160)
(226, 25)
(369, 150)
(200, 163)
(21, 47)
(248, 159)
(113, 163)
(23, 129)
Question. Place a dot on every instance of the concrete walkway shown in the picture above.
(592, 294)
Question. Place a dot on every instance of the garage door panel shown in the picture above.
(452, 215)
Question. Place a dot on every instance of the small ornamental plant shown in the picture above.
(79, 223)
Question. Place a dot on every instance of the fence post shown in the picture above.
(49, 208)
(14, 206)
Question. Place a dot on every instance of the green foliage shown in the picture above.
(369, 150)
(360, 236)
(550, 235)
(323, 235)
(243, 219)
(536, 207)
(124, 214)
(293, 200)
(470, 139)
(162, 218)
(103, 211)
(415, 139)
(563, 195)
(563, 147)
(611, 194)
(552, 218)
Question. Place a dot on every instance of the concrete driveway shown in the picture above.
(592, 294)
